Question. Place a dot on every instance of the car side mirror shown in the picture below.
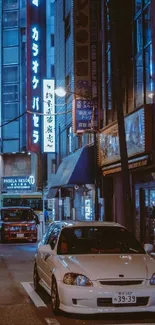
(148, 248)
(45, 249)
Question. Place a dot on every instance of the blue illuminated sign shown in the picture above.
(35, 70)
(83, 109)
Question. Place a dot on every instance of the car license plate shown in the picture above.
(124, 298)
(20, 235)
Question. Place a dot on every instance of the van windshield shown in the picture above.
(16, 215)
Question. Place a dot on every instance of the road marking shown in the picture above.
(52, 321)
(33, 295)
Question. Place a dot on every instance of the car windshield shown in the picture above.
(16, 215)
(98, 240)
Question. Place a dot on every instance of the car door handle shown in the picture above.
(46, 256)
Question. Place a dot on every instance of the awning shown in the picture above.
(77, 168)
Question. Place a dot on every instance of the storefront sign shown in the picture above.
(84, 109)
(18, 183)
(117, 168)
(109, 151)
(49, 117)
(35, 16)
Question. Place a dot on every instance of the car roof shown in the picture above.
(71, 223)
(14, 207)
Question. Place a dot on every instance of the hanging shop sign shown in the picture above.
(84, 109)
(138, 137)
(35, 71)
(18, 183)
(49, 115)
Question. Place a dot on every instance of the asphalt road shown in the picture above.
(20, 305)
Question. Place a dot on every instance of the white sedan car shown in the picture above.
(94, 267)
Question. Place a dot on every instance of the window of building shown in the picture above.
(10, 55)
(69, 140)
(52, 40)
(53, 166)
(109, 95)
(10, 19)
(147, 26)
(139, 84)
(148, 74)
(52, 70)
(67, 26)
(10, 74)
(10, 4)
(138, 35)
(68, 83)
(10, 37)
(138, 5)
(10, 93)
(52, 9)
(10, 110)
(146, 2)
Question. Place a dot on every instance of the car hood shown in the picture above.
(110, 266)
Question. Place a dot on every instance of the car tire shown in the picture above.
(36, 279)
(55, 301)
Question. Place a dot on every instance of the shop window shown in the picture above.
(139, 89)
(10, 37)
(10, 19)
(10, 74)
(147, 26)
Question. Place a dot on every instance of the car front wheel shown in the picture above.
(36, 279)
(55, 302)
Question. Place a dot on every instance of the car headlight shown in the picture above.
(76, 279)
(152, 280)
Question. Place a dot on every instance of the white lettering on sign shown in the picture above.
(49, 117)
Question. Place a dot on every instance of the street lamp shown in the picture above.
(61, 92)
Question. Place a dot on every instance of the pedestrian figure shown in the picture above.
(46, 216)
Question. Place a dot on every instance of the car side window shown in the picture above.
(48, 234)
(52, 240)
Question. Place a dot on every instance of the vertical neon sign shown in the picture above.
(34, 74)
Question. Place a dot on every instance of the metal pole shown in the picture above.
(95, 165)
(96, 179)
(60, 205)
(116, 47)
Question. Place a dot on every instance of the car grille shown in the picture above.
(121, 283)
(107, 302)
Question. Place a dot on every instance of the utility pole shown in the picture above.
(117, 31)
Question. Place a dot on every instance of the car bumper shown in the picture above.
(97, 300)
(26, 237)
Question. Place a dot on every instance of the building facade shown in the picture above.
(128, 33)
(76, 70)
(26, 59)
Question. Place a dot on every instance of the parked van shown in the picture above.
(18, 223)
